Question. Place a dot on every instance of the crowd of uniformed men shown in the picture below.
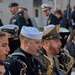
(27, 50)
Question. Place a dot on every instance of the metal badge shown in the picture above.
(49, 21)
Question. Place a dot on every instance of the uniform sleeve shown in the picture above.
(19, 22)
(12, 67)
(1, 24)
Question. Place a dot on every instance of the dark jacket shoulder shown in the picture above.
(53, 19)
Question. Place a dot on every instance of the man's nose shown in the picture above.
(8, 49)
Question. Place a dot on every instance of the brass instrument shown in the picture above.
(70, 61)
(24, 66)
(49, 64)
(23, 70)
(70, 64)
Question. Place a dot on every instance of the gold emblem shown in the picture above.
(50, 37)
(48, 21)
(57, 29)
(4, 30)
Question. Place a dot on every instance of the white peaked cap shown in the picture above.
(62, 29)
(9, 26)
(31, 32)
(46, 6)
(51, 26)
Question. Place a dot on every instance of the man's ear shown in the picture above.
(46, 42)
(25, 42)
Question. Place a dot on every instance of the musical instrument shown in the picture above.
(69, 61)
(24, 66)
(49, 63)
(23, 70)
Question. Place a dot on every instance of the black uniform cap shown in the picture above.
(13, 4)
(9, 28)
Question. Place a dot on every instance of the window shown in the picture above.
(1, 0)
(36, 12)
(37, 3)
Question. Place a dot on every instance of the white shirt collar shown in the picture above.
(73, 41)
(48, 15)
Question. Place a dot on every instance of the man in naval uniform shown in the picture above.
(30, 39)
(12, 33)
(51, 19)
(14, 11)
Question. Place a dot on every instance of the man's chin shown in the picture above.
(57, 52)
